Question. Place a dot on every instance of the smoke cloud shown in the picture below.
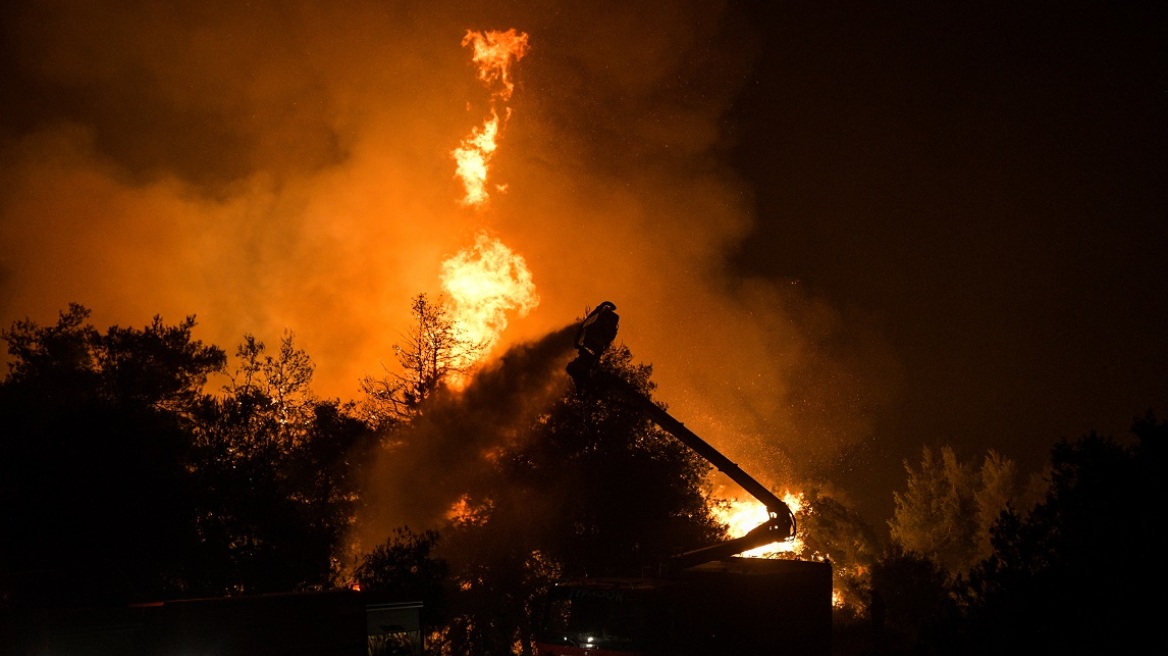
(272, 166)
(415, 481)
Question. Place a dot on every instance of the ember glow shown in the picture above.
(493, 53)
(742, 515)
(465, 512)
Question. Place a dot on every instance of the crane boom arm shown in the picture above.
(596, 333)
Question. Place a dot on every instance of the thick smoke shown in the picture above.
(272, 166)
(415, 481)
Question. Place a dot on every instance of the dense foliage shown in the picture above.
(127, 473)
(123, 479)
(1070, 575)
(1074, 575)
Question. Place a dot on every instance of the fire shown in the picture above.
(493, 54)
(740, 516)
(473, 158)
(484, 283)
(465, 512)
(487, 280)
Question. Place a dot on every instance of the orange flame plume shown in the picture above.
(487, 280)
(484, 283)
(493, 53)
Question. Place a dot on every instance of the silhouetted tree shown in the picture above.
(95, 487)
(432, 351)
(1072, 575)
(277, 488)
(610, 492)
(917, 607)
(281, 383)
(406, 566)
(596, 489)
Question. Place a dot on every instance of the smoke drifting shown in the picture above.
(271, 166)
(417, 479)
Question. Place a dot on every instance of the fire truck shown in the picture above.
(706, 601)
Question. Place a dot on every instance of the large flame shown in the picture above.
(493, 54)
(473, 158)
(742, 515)
(487, 280)
(484, 282)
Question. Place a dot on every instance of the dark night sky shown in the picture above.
(839, 231)
(985, 184)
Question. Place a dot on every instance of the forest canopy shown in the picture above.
(140, 464)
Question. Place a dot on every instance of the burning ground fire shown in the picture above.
(741, 515)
